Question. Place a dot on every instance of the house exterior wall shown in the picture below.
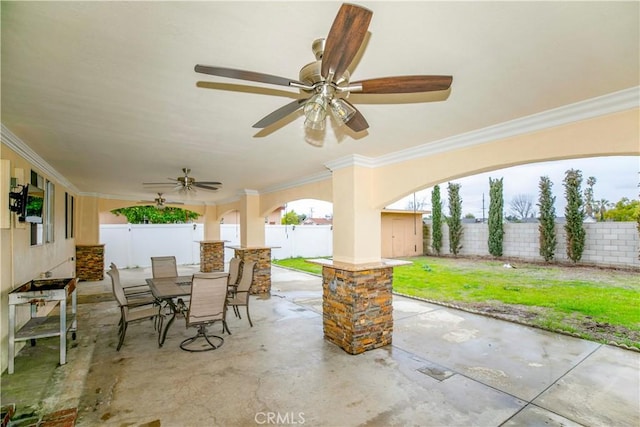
(607, 244)
(19, 260)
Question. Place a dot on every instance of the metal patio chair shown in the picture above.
(164, 266)
(133, 291)
(208, 305)
(132, 309)
(240, 296)
(234, 273)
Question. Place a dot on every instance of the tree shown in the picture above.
(547, 227)
(153, 215)
(291, 218)
(602, 206)
(522, 206)
(417, 203)
(624, 210)
(436, 220)
(496, 227)
(455, 218)
(574, 214)
(589, 201)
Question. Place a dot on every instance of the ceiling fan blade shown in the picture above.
(205, 187)
(280, 113)
(345, 38)
(209, 182)
(357, 123)
(404, 84)
(245, 75)
(159, 183)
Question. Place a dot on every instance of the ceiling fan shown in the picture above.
(325, 83)
(188, 183)
(160, 202)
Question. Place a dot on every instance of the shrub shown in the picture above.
(455, 218)
(574, 214)
(547, 227)
(436, 220)
(496, 226)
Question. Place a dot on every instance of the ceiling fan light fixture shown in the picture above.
(315, 112)
(342, 110)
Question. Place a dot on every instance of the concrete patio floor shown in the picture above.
(445, 368)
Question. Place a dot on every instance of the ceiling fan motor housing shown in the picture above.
(311, 73)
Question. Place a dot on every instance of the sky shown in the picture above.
(616, 177)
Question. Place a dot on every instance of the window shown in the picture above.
(49, 210)
(68, 214)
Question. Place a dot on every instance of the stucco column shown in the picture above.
(356, 222)
(251, 220)
(89, 251)
(88, 228)
(211, 223)
(357, 300)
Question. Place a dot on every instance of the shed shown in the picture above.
(402, 233)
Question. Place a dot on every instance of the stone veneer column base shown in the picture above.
(90, 262)
(211, 256)
(357, 307)
(262, 273)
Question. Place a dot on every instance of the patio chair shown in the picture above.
(132, 309)
(135, 294)
(164, 266)
(208, 305)
(240, 296)
(234, 273)
(135, 291)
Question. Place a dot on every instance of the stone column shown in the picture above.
(262, 274)
(211, 255)
(357, 305)
(90, 262)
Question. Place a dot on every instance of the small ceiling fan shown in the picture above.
(188, 183)
(325, 83)
(160, 202)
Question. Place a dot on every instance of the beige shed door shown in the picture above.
(397, 237)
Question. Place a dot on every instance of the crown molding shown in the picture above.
(228, 200)
(595, 107)
(16, 144)
(352, 160)
(310, 179)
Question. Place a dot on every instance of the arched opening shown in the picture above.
(616, 177)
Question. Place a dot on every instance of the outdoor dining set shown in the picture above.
(202, 299)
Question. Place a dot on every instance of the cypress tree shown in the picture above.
(496, 226)
(574, 214)
(436, 218)
(547, 227)
(455, 218)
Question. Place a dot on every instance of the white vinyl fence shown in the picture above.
(133, 245)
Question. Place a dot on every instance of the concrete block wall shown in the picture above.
(607, 244)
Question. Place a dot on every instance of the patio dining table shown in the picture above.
(171, 291)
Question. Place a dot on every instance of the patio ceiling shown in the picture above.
(106, 94)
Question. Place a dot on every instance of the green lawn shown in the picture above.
(598, 304)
